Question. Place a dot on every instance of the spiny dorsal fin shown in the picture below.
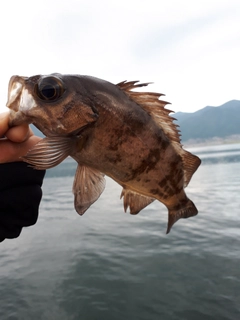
(135, 201)
(150, 102)
(129, 85)
(87, 187)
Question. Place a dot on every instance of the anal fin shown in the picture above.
(135, 201)
(189, 210)
(87, 187)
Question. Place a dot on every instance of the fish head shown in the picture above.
(54, 103)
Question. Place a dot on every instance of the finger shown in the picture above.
(12, 151)
(4, 123)
(15, 134)
(18, 133)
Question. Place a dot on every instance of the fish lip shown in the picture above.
(19, 113)
(15, 86)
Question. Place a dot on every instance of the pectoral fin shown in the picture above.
(135, 201)
(87, 187)
(49, 152)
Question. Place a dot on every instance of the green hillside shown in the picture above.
(210, 122)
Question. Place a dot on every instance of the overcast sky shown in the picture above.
(189, 49)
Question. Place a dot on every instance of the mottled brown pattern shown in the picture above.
(110, 129)
(147, 164)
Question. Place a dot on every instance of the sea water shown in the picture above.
(109, 265)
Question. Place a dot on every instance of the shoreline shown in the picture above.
(216, 141)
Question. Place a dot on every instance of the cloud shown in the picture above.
(190, 50)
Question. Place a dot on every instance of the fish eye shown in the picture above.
(49, 88)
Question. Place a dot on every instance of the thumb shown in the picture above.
(12, 151)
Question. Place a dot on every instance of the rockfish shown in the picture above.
(109, 130)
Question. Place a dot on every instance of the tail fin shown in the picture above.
(189, 210)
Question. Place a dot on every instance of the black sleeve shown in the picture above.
(20, 196)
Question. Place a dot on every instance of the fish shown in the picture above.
(113, 130)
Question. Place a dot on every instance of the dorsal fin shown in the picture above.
(150, 102)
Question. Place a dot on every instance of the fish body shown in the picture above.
(109, 130)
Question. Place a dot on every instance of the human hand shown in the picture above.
(20, 188)
(17, 140)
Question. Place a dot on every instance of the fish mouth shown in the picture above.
(20, 102)
(15, 88)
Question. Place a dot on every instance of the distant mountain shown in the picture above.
(210, 122)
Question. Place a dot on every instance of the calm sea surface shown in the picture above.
(109, 265)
